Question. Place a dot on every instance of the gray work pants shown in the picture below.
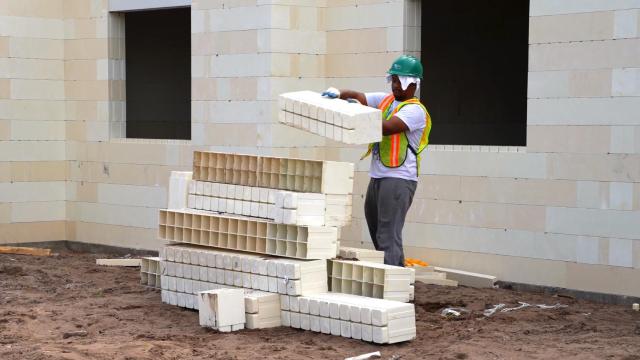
(385, 208)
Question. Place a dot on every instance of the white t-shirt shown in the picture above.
(413, 116)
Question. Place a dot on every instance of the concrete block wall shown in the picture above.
(561, 211)
(241, 59)
(298, 44)
(32, 121)
(115, 185)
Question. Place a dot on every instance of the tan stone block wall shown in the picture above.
(23, 232)
(33, 169)
(34, 8)
(586, 277)
(115, 235)
(587, 26)
(566, 202)
(562, 207)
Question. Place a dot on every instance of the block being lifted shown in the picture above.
(339, 120)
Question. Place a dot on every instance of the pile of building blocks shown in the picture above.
(357, 317)
(281, 206)
(150, 272)
(271, 242)
(371, 279)
(276, 275)
(369, 255)
(335, 119)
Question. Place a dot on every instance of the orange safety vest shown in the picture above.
(393, 148)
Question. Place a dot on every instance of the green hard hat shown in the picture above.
(406, 65)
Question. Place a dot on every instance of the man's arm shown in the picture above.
(393, 126)
(351, 94)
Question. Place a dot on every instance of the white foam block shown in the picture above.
(179, 183)
(285, 318)
(221, 307)
(362, 122)
(381, 321)
(254, 321)
(314, 323)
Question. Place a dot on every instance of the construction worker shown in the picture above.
(396, 159)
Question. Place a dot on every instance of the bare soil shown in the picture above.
(66, 307)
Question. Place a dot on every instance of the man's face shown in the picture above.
(398, 93)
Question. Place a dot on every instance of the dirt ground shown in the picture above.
(42, 299)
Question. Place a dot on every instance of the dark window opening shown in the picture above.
(158, 74)
(475, 56)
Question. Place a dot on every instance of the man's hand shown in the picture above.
(331, 93)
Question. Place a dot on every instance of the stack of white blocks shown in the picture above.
(276, 275)
(357, 317)
(285, 207)
(233, 199)
(305, 200)
(339, 120)
(371, 279)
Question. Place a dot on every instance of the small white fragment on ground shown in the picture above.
(522, 306)
(80, 333)
(489, 312)
(118, 262)
(453, 312)
(556, 306)
(365, 356)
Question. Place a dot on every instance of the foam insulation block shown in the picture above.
(339, 120)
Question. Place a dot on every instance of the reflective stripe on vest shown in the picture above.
(392, 149)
